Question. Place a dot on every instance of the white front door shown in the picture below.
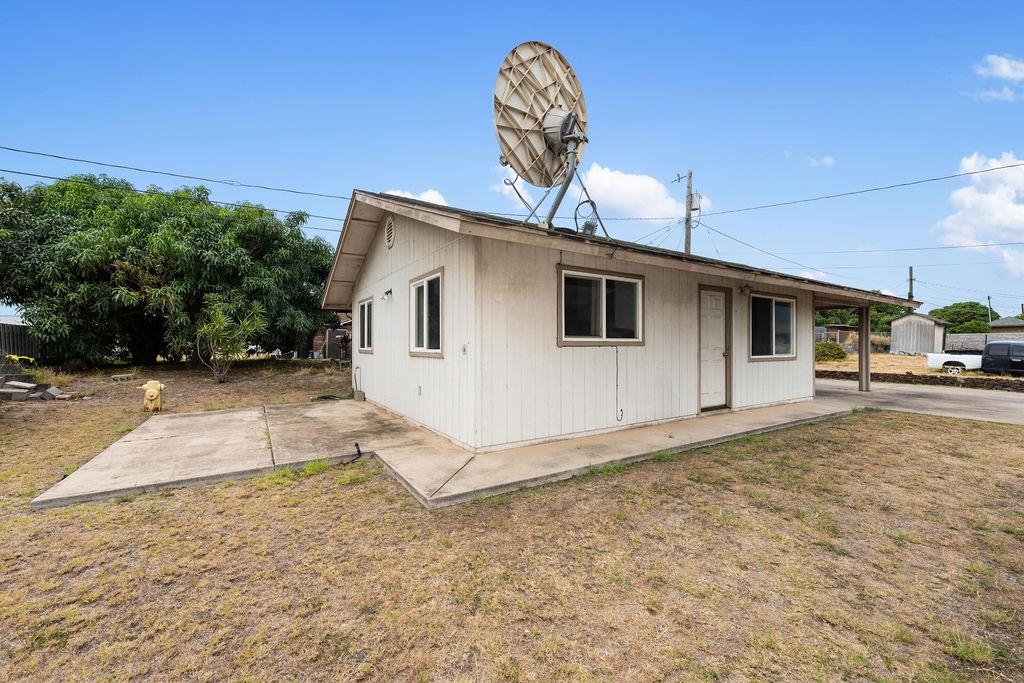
(714, 351)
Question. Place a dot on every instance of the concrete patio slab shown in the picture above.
(170, 450)
(489, 474)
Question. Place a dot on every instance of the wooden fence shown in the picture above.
(18, 341)
(976, 342)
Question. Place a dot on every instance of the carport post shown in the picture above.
(864, 348)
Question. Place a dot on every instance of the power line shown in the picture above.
(921, 265)
(272, 188)
(233, 183)
(901, 249)
(142, 192)
(977, 291)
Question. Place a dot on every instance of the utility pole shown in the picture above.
(990, 310)
(910, 294)
(689, 208)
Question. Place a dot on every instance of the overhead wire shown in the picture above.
(723, 212)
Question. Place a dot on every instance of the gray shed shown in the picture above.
(914, 334)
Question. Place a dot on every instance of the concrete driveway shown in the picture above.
(970, 404)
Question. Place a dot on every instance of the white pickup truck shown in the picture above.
(954, 363)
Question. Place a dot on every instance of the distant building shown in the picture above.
(16, 338)
(1008, 324)
(915, 334)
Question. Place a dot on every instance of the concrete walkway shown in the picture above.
(969, 404)
(451, 480)
(188, 449)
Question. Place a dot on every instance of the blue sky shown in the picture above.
(764, 102)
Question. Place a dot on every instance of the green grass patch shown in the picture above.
(967, 649)
(314, 467)
(352, 477)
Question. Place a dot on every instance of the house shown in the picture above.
(915, 334)
(1008, 324)
(495, 333)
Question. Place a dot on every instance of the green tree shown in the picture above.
(974, 326)
(882, 316)
(100, 268)
(225, 331)
(961, 313)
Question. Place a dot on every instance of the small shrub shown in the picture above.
(828, 350)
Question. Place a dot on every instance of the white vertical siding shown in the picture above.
(531, 389)
(436, 392)
(913, 334)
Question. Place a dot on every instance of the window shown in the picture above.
(425, 295)
(999, 350)
(771, 327)
(366, 326)
(600, 308)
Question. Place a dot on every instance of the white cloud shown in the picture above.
(823, 161)
(633, 194)
(432, 196)
(813, 274)
(1004, 94)
(989, 209)
(506, 189)
(1003, 67)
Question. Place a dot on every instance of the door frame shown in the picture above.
(727, 291)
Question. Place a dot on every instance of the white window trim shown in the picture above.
(750, 320)
(364, 329)
(422, 280)
(603, 340)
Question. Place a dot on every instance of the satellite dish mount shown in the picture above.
(540, 118)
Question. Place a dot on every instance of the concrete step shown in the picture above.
(19, 385)
(13, 394)
(16, 377)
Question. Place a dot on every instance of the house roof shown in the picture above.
(366, 209)
(11, 320)
(937, 321)
(1008, 321)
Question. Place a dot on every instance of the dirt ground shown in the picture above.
(887, 362)
(880, 546)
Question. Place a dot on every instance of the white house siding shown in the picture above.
(531, 389)
(438, 393)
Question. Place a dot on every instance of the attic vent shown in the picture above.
(389, 232)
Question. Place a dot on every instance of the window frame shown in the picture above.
(422, 280)
(750, 327)
(363, 329)
(564, 271)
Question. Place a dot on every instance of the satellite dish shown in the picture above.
(538, 104)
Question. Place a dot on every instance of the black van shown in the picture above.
(1003, 356)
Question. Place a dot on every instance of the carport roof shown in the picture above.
(367, 208)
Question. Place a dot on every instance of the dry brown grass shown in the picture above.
(880, 546)
(887, 362)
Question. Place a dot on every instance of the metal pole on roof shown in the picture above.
(989, 310)
(910, 294)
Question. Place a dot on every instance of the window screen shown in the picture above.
(621, 309)
(582, 300)
(783, 328)
(760, 326)
(434, 314)
(366, 325)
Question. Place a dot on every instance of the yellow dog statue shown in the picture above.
(151, 397)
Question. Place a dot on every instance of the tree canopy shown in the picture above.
(882, 316)
(961, 314)
(100, 268)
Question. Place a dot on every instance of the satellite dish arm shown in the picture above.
(571, 153)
